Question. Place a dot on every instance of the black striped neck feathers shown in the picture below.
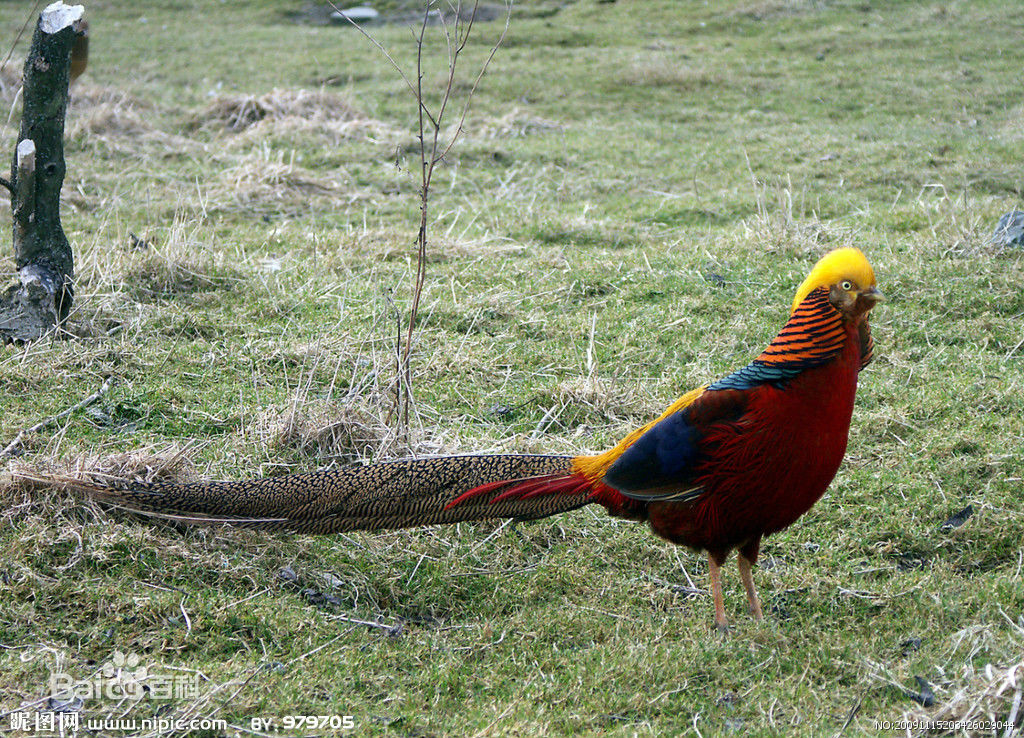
(814, 333)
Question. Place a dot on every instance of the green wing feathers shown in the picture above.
(395, 494)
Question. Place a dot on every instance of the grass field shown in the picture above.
(639, 189)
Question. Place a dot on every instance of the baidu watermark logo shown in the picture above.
(125, 677)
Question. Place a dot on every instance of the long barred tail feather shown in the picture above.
(395, 494)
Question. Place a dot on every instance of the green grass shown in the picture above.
(639, 190)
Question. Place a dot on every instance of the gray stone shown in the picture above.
(359, 14)
(1010, 230)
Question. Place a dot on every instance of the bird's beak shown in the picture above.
(872, 295)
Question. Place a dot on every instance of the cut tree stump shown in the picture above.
(42, 298)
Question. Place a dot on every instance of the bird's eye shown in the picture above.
(846, 285)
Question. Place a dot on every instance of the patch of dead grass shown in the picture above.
(783, 224)
(167, 463)
(101, 115)
(106, 112)
(163, 274)
(157, 277)
(597, 395)
(288, 115)
(270, 181)
(974, 695)
(992, 695)
(325, 131)
(237, 113)
(326, 429)
(173, 262)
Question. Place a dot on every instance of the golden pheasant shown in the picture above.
(724, 465)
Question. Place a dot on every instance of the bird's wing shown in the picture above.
(662, 463)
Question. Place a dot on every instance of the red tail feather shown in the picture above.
(525, 489)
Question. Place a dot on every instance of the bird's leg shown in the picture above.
(715, 570)
(747, 576)
(746, 558)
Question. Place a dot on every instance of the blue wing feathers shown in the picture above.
(664, 462)
(663, 456)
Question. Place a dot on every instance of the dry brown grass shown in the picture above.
(324, 131)
(236, 113)
(174, 262)
(23, 498)
(327, 430)
(255, 174)
(990, 695)
(597, 395)
(102, 115)
(971, 695)
(165, 463)
(957, 226)
(783, 223)
(318, 118)
(271, 181)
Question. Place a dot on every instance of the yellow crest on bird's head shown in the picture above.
(842, 265)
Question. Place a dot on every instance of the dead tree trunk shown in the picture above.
(42, 254)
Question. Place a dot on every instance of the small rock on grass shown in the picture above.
(359, 14)
(957, 519)
(1010, 230)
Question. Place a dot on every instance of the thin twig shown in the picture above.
(849, 718)
(1011, 720)
(389, 629)
(188, 620)
(476, 82)
(453, 61)
(21, 32)
(380, 48)
(431, 153)
(426, 170)
(12, 447)
(28, 19)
